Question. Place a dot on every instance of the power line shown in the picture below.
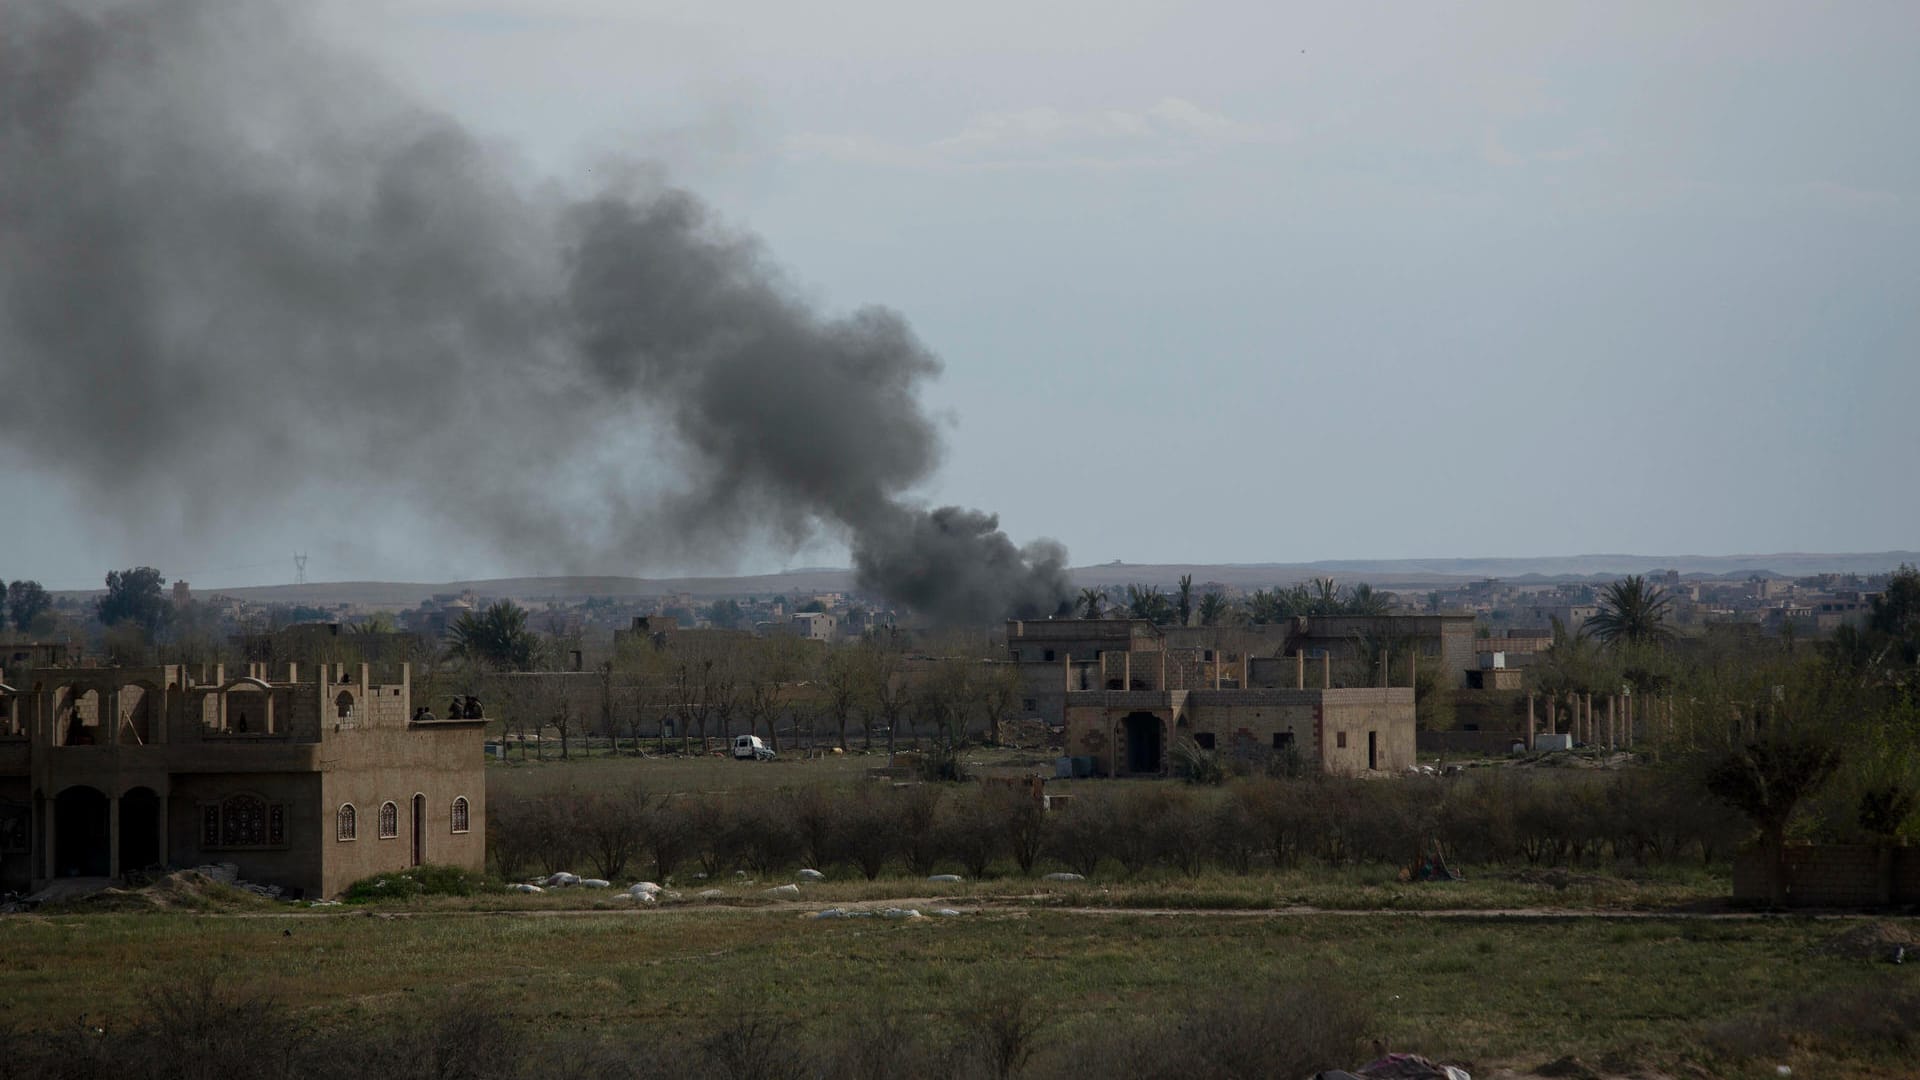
(300, 569)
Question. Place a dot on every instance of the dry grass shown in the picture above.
(1489, 990)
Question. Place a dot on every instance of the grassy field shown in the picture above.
(1361, 888)
(1646, 993)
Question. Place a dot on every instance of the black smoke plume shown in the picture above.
(238, 268)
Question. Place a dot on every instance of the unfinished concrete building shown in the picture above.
(1124, 697)
(309, 783)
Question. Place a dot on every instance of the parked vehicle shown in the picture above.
(750, 748)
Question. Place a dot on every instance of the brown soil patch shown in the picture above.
(1871, 941)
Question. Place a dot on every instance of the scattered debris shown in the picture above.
(561, 878)
(784, 890)
(811, 875)
(523, 887)
(712, 894)
(900, 913)
(946, 912)
(1410, 1067)
(948, 878)
(1064, 876)
(595, 883)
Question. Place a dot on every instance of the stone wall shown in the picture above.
(1833, 875)
(1468, 742)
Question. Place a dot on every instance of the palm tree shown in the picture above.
(1092, 600)
(1325, 597)
(1362, 600)
(1147, 602)
(497, 637)
(1264, 606)
(1183, 607)
(1213, 608)
(1632, 612)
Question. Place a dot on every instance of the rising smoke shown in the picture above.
(237, 268)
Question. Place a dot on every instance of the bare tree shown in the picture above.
(767, 668)
(692, 685)
(999, 694)
(887, 695)
(841, 678)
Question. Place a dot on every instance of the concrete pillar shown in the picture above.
(113, 836)
(1066, 669)
(1299, 669)
(1413, 668)
(1613, 713)
(47, 842)
(1326, 670)
(1530, 721)
(1126, 670)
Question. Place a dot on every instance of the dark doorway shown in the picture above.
(1373, 750)
(139, 829)
(419, 829)
(1144, 737)
(80, 834)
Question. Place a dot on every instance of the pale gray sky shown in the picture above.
(1251, 281)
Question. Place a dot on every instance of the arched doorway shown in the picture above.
(1144, 743)
(82, 843)
(419, 829)
(139, 829)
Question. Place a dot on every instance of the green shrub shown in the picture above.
(415, 881)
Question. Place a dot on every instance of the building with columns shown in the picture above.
(1125, 697)
(309, 782)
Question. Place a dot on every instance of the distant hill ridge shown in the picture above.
(1386, 573)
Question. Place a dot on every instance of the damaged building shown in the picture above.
(1124, 696)
(309, 782)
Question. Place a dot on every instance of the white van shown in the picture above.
(750, 748)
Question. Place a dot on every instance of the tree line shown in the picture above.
(1493, 817)
(1183, 607)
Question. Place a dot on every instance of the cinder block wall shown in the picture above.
(1832, 875)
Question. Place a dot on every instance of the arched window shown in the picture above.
(343, 705)
(346, 827)
(389, 821)
(460, 814)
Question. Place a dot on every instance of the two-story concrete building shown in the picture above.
(1125, 698)
(310, 782)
